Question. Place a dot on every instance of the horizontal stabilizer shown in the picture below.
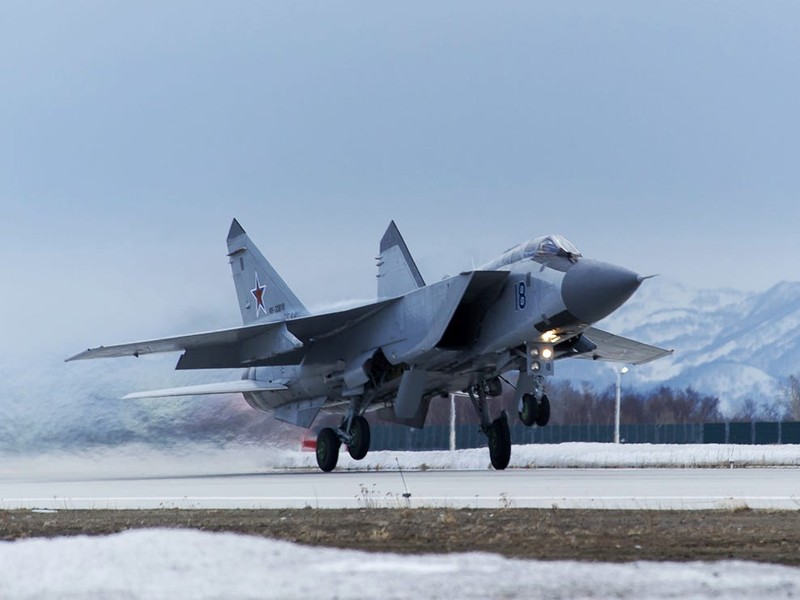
(240, 386)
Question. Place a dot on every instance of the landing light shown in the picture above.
(549, 336)
(545, 352)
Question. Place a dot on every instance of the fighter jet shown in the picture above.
(533, 305)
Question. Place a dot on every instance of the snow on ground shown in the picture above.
(190, 459)
(585, 455)
(171, 564)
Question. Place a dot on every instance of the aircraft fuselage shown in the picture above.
(533, 300)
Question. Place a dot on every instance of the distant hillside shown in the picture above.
(737, 345)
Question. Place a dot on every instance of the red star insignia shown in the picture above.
(258, 294)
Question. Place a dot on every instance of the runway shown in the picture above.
(655, 489)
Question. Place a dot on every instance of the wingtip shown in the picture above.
(236, 230)
(78, 356)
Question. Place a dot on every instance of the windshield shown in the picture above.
(551, 245)
(541, 249)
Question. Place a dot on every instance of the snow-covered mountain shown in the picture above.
(733, 344)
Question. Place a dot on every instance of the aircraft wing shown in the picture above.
(244, 346)
(175, 344)
(615, 348)
(226, 387)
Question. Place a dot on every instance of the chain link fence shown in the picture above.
(437, 437)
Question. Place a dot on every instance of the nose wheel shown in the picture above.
(535, 410)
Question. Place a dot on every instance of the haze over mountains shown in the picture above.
(733, 344)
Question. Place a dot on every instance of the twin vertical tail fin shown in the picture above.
(397, 271)
(263, 295)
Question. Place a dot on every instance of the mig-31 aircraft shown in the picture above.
(417, 342)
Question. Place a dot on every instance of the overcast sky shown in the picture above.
(662, 136)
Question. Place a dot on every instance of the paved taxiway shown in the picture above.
(772, 488)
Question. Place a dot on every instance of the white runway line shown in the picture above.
(610, 503)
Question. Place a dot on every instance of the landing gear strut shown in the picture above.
(496, 431)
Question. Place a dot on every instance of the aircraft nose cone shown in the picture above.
(592, 290)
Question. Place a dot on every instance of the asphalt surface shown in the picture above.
(652, 489)
(648, 514)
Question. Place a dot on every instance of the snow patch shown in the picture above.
(156, 564)
(140, 461)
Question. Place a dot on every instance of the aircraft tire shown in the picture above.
(499, 442)
(530, 409)
(328, 444)
(542, 417)
(359, 447)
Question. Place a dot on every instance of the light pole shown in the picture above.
(620, 373)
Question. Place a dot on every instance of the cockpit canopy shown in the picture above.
(541, 250)
(552, 245)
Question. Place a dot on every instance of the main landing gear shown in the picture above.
(497, 431)
(354, 431)
(328, 444)
(534, 409)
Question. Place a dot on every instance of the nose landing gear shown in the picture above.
(534, 407)
(535, 410)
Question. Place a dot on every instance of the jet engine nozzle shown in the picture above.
(592, 290)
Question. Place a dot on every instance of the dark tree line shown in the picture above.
(578, 404)
(791, 397)
(785, 407)
(664, 405)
